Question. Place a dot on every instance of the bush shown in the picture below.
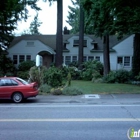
(119, 76)
(91, 69)
(75, 73)
(71, 91)
(37, 74)
(6, 66)
(26, 65)
(53, 77)
(23, 74)
(57, 91)
(44, 88)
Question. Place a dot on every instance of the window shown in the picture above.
(30, 43)
(97, 58)
(15, 59)
(21, 58)
(74, 58)
(120, 60)
(76, 43)
(90, 58)
(67, 60)
(8, 82)
(28, 57)
(85, 58)
(126, 61)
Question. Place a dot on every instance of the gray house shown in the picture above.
(42, 49)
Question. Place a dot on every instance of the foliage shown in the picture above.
(53, 77)
(11, 11)
(26, 65)
(35, 25)
(71, 91)
(69, 79)
(44, 88)
(119, 76)
(23, 74)
(37, 74)
(110, 16)
(96, 76)
(138, 77)
(92, 69)
(6, 66)
(56, 91)
(75, 73)
(74, 18)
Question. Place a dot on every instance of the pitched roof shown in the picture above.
(50, 40)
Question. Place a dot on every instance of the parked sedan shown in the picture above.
(17, 89)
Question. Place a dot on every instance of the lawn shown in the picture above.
(89, 87)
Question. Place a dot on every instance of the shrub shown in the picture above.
(37, 74)
(44, 88)
(119, 76)
(23, 74)
(26, 65)
(71, 91)
(53, 77)
(6, 66)
(75, 73)
(91, 69)
(57, 91)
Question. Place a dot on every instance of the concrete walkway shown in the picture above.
(91, 99)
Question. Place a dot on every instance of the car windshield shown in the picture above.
(22, 81)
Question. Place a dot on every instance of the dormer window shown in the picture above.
(76, 43)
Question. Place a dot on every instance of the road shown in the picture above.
(43, 121)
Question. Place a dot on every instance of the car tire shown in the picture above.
(17, 97)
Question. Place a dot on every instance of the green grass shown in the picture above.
(89, 87)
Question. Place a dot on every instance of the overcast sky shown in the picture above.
(48, 17)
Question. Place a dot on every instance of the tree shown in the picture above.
(81, 37)
(122, 18)
(12, 11)
(73, 19)
(35, 24)
(100, 19)
(74, 16)
(127, 21)
(59, 36)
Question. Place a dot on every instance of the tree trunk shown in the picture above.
(81, 37)
(136, 55)
(59, 36)
(106, 55)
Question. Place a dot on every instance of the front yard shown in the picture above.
(89, 87)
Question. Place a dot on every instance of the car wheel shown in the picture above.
(17, 97)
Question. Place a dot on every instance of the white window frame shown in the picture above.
(126, 61)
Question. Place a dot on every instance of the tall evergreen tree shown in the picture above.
(35, 24)
(99, 19)
(81, 37)
(59, 36)
(73, 18)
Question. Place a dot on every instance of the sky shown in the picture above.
(48, 17)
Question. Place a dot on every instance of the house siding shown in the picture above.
(123, 49)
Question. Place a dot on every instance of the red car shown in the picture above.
(17, 89)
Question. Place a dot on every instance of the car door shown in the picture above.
(6, 88)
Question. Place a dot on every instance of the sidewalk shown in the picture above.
(91, 99)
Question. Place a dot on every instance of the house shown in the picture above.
(42, 49)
